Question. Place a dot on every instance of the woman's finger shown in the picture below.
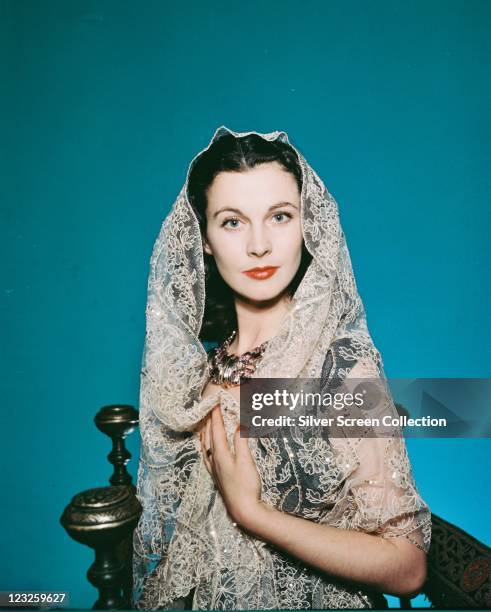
(209, 444)
(203, 452)
(218, 435)
(241, 445)
(210, 453)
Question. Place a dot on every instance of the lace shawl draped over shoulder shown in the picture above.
(185, 539)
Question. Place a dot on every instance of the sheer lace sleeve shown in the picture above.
(379, 493)
(386, 499)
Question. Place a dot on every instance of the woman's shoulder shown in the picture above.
(340, 357)
(344, 355)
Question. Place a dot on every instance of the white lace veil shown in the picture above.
(363, 484)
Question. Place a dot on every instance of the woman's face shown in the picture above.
(253, 221)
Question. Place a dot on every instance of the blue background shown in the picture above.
(105, 103)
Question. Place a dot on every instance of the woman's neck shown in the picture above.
(257, 322)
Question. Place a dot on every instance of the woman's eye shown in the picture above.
(224, 224)
(283, 214)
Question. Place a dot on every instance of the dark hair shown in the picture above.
(233, 154)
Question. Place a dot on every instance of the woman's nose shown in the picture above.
(259, 243)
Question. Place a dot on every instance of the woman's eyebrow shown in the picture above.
(236, 210)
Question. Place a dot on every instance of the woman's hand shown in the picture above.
(396, 565)
(235, 475)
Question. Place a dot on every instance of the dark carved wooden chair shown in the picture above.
(104, 519)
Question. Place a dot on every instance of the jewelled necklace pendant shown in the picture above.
(230, 370)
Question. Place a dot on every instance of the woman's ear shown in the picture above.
(206, 247)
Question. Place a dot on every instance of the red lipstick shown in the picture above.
(261, 273)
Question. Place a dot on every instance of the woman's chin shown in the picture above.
(262, 297)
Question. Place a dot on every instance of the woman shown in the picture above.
(252, 256)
